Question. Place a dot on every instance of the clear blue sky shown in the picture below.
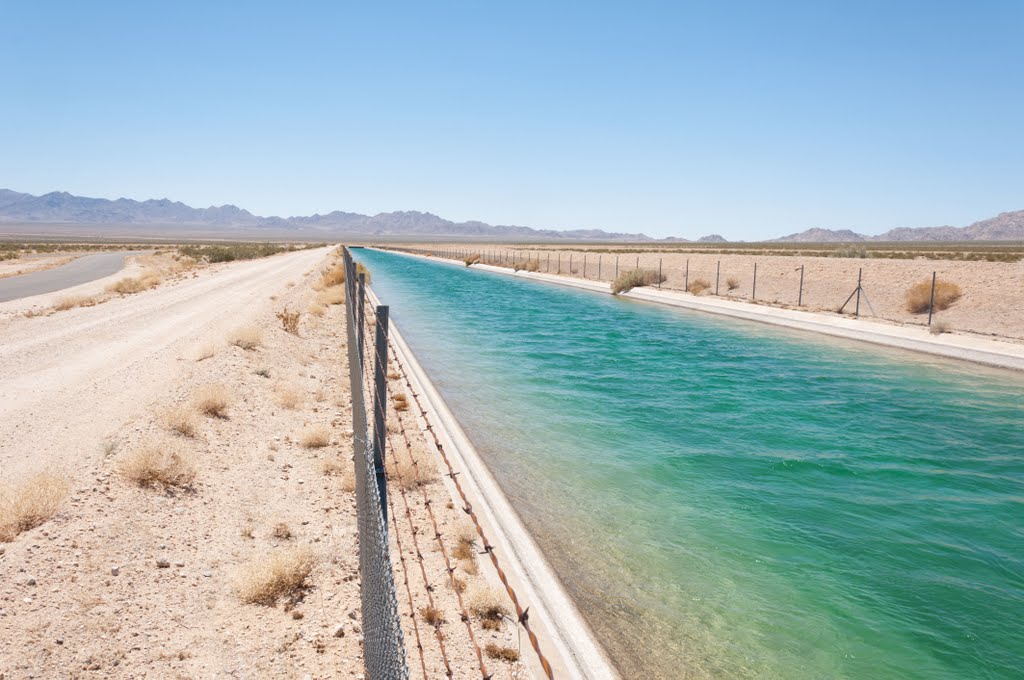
(750, 119)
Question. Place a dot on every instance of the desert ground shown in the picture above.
(185, 451)
(989, 303)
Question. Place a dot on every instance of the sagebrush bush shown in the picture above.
(635, 278)
(315, 437)
(698, 286)
(510, 654)
(919, 295)
(289, 321)
(526, 266)
(732, 283)
(72, 301)
(267, 579)
(182, 420)
(28, 504)
(472, 259)
(160, 462)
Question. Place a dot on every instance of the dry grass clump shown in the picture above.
(315, 437)
(334, 295)
(160, 462)
(489, 605)
(698, 286)
(182, 420)
(213, 400)
(341, 468)
(635, 278)
(246, 337)
(26, 505)
(289, 321)
(411, 470)
(281, 573)
(72, 301)
(315, 309)
(432, 615)
(510, 654)
(401, 402)
(939, 327)
(732, 283)
(135, 284)
(334, 276)
(526, 266)
(919, 295)
(472, 259)
(281, 531)
(470, 566)
(288, 396)
(206, 350)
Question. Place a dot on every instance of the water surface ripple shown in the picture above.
(728, 499)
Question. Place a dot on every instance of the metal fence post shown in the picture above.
(616, 266)
(599, 258)
(570, 264)
(753, 293)
(860, 272)
(686, 277)
(360, 318)
(659, 273)
(800, 297)
(718, 272)
(931, 301)
(380, 400)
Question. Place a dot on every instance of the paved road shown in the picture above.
(84, 269)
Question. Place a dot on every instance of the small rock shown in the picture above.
(352, 615)
(339, 630)
(163, 562)
(179, 563)
(30, 581)
(59, 641)
(114, 571)
(207, 574)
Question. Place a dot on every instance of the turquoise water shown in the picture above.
(725, 499)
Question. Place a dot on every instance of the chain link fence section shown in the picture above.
(383, 642)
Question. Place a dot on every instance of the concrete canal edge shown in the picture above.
(917, 339)
(564, 636)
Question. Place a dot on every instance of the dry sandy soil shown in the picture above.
(989, 306)
(131, 581)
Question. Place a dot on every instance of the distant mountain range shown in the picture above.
(62, 208)
(1008, 226)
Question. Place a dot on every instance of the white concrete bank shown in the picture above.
(565, 638)
(917, 339)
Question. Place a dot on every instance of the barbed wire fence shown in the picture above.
(383, 642)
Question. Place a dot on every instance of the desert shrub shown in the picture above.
(288, 396)
(732, 283)
(213, 400)
(315, 437)
(432, 615)
(315, 309)
(182, 420)
(635, 278)
(472, 259)
(30, 503)
(159, 463)
(234, 251)
(526, 266)
(281, 531)
(280, 574)
(919, 295)
(246, 337)
(939, 327)
(72, 301)
(135, 284)
(332, 295)
(851, 251)
(510, 654)
(698, 286)
(400, 402)
(488, 604)
(289, 321)
(206, 350)
(333, 276)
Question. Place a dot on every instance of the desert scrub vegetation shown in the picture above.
(28, 504)
(135, 284)
(698, 286)
(472, 259)
(181, 419)
(488, 604)
(288, 396)
(206, 350)
(732, 283)
(289, 321)
(230, 252)
(635, 278)
(212, 400)
(246, 337)
(332, 295)
(282, 573)
(72, 301)
(315, 437)
(526, 266)
(411, 470)
(159, 462)
(432, 615)
(919, 295)
(939, 327)
(400, 402)
(510, 654)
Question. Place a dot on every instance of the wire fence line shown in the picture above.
(384, 655)
(879, 288)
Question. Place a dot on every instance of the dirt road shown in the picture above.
(116, 358)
